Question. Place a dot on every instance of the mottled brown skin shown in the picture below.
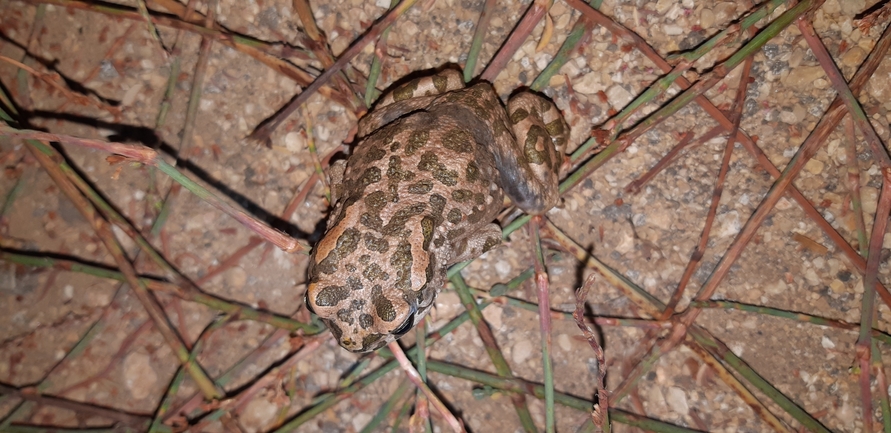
(419, 194)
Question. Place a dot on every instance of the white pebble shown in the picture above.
(521, 352)
(677, 400)
(564, 342)
(295, 142)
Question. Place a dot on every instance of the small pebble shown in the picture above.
(706, 18)
(139, 376)
(618, 97)
(258, 413)
(564, 342)
(814, 166)
(677, 400)
(521, 351)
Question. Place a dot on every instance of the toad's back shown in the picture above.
(419, 194)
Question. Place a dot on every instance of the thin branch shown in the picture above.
(415, 378)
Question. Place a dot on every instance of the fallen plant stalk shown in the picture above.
(148, 156)
(263, 133)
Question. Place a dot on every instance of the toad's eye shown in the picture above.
(308, 304)
(407, 325)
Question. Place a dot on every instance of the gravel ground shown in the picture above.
(648, 236)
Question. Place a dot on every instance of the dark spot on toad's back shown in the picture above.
(454, 215)
(375, 243)
(328, 265)
(374, 272)
(421, 187)
(555, 128)
(365, 321)
(416, 140)
(458, 140)
(353, 283)
(374, 154)
(461, 195)
(429, 162)
(382, 306)
(370, 176)
(446, 177)
(331, 296)
(440, 82)
(345, 316)
(347, 242)
(401, 261)
(490, 243)
(398, 220)
(437, 206)
(472, 172)
(373, 222)
(376, 201)
(534, 155)
(395, 171)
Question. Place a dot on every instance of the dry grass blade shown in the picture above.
(53, 80)
(319, 46)
(415, 378)
(699, 252)
(600, 412)
(488, 337)
(29, 394)
(846, 95)
(530, 19)
(868, 315)
(49, 160)
(710, 348)
(148, 156)
(264, 131)
(270, 55)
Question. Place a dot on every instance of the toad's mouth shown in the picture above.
(375, 341)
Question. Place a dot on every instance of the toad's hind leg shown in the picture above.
(530, 178)
(474, 245)
(411, 96)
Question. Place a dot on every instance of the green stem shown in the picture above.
(228, 307)
(518, 386)
(544, 324)
(479, 35)
(371, 92)
(498, 360)
(387, 407)
(582, 27)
